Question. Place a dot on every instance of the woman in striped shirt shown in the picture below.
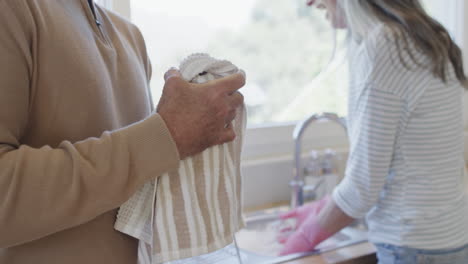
(405, 170)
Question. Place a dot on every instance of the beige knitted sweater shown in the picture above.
(77, 137)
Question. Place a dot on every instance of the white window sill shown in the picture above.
(268, 142)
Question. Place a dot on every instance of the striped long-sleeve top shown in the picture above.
(405, 169)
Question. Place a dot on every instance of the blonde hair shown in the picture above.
(409, 22)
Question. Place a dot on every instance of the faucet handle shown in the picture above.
(313, 164)
(311, 191)
(330, 162)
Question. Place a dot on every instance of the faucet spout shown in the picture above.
(297, 184)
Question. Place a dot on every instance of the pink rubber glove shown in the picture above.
(301, 213)
(305, 220)
(306, 238)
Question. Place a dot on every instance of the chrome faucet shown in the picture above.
(298, 184)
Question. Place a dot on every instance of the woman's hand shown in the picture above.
(322, 219)
(300, 214)
(306, 237)
(293, 237)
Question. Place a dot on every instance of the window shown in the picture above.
(446, 13)
(282, 45)
(105, 3)
(121, 6)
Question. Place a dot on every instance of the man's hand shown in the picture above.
(199, 115)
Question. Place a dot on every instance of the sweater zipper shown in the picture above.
(97, 24)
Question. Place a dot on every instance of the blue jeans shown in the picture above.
(389, 254)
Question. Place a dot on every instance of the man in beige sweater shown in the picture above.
(77, 132)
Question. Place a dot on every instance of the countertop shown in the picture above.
(363, 253)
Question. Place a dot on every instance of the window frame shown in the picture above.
(122, 7)
(274, 140)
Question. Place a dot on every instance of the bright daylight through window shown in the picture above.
(284, 46)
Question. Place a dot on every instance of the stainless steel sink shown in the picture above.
(258, 244)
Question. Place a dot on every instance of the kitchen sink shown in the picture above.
(258, 243)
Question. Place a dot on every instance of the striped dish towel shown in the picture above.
(196, 209)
